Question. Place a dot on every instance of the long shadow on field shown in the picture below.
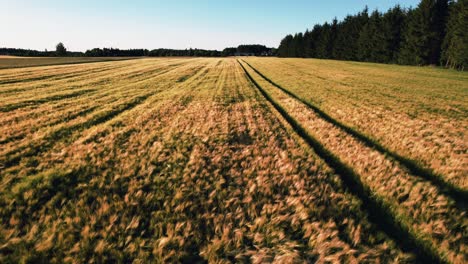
(378, 210)
(455, 192)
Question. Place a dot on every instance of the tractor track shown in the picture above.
(383, 209)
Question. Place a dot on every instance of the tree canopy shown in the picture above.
(433, 33)
(60, 49)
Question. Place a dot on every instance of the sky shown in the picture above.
(177, 24)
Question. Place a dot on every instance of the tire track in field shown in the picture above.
(94, 79)
(382, 207)
(60, 73)
(53, 181)
(361, 217)
(66, 118)
(376, 213)
(57, 76)
(77, 91)
(86, 78)
(98, 96)
(247, 114)
(14, 157)
(109, 94)
(67, 63)
(36, 102)
(58, 97)
(455, 192)
(152, 75)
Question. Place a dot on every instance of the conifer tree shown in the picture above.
(284, 48)
(347, 46)
(424, 33)
(394, 21)
(331, 49)
(372, 40)
(312, 41)
(455, 46)
(323, 42)
(429, 34)
(298, 44)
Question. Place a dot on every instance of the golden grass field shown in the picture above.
(221, 160)
(20, 62)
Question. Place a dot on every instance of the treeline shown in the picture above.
(249, 50)
(434, 33)
(36, 53)
(152, 53)
(184, 53)
(252, 50)
(111, 52)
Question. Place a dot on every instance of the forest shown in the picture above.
(61, 51)
(433, 33)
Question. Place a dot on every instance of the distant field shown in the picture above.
(18, 62)
(233, 160)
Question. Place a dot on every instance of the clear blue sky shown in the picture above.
(179, 24)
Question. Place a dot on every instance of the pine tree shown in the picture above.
(424, 33)
(307, 42)
(323, 41)
(331, 49)
(285, 46)
(347, 46)
(394, 21)
(455, 46)
(292, 51)
(299, 48)
(439, 29)
(372, 40)
(418, 36)
(312, 42)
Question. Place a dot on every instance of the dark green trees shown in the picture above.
(372, 42)
(323, 44)
(60, 50)
(347, 41)
(424, 33)
(284, 49)
(432, 33)
(455, 45)
(394, 23)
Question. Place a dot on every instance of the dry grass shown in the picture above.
(183, 160)
(431, 216)
(419, 113)
(7, 62)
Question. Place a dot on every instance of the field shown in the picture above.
(20, 62)
(233, 160)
